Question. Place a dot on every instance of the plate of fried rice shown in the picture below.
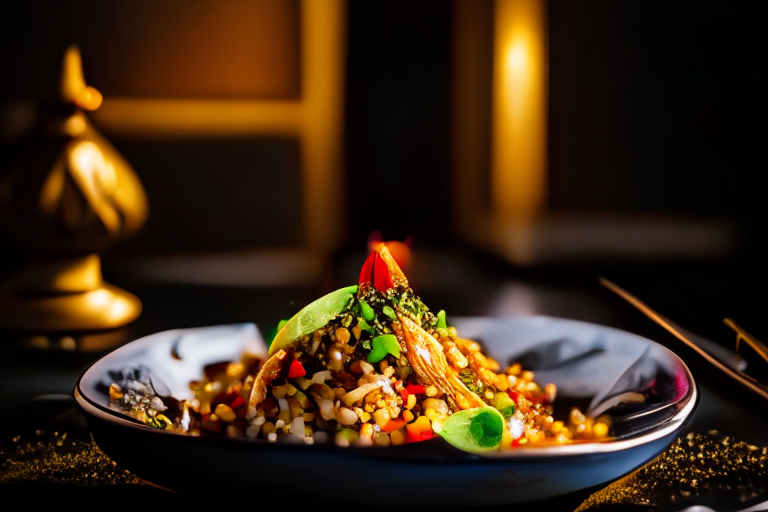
(368, 383)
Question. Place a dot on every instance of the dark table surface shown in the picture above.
(36, 385)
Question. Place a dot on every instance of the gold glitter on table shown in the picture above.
(59, 458)
(697, 465)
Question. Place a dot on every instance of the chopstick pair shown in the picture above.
(688, 338)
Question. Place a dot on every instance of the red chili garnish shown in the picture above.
(375, 271)
(381, 278)
(366, 273)
(404, 393)
(515, 443)
(427, 434)
(416, 389)
(238, 402)
(296, 370)
(513, 395)
(393, 425)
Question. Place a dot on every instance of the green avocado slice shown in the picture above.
(474, 430)
(312, 317)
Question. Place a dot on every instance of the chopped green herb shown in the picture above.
(366, 310)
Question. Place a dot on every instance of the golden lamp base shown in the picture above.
(63, 299)
(105, 307)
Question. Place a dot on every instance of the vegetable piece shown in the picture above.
(474, 430)
(394, 425)
(367, 311)
(363, 324)
(441, 320)
(504, 404)
(418, 430)
(383, 345)
(389, 312)
(376, 271)
(312, 317)
(416, 389)
(367, 271)
(296, 370)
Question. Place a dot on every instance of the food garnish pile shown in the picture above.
(366, 365)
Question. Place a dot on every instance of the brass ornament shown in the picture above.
(69, 197)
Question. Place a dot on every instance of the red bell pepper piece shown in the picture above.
(404, 393)
(393, 425)
(416, 389)
(411, 437)
(296, 370)
(238, 402)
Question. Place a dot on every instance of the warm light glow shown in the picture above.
(98, 173)
(99, 298)
(97, 179)
(519, 111)
(119, 308)
(516, 58)
(73, 88)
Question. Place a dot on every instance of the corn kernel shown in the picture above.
(357, 331)
(408, 416)
(410, 402)
(397, 437)
(430, 391)
(381, 417)
(225, 412)
(366, 430)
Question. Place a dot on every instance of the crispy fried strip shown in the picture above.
(427, 359)
(267, 374)
(395, 272)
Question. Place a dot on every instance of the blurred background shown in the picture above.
(520, 148)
